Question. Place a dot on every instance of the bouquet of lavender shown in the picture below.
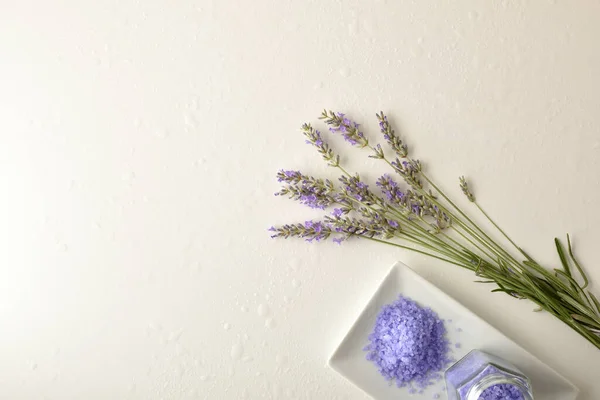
(420, 217)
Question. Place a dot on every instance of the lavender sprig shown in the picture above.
(315, 193)
(309, 231)
(409, 170)
(419, 217)
(314, 138)
(464, 186)
(413, 203)
(352, 186)
(339, 123)
(390, 136)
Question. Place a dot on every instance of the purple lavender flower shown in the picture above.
(314, 138)
(390, 188)
(338, 240)
(356, 189)
(390, 136)
(409, 170)
(309, 231)
(315, 193)
(339, 123)
(289, 176)
(372, 225)
(337, 212)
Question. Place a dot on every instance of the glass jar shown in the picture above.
(474, 373)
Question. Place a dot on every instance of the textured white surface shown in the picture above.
(138, 146)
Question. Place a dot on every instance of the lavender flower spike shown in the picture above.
(390, 136)
(339, 123)
(313, 137)
(313, 192)
(309, 231)
(390, 188)
(464, 186)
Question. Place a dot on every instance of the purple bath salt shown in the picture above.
(503, 391)
(482, 376)
(408, 344)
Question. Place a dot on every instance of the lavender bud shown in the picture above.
(389, 135)
(464, 186)
(339, 123)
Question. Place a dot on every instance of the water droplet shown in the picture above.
(281, 359)
(286, 299)
(161, 134)
(190, 121)
(203, 378)
(244, 309)
(226, 326)
(473, 15)
(128, 176)
(237, 351)
(296, 283)
(175, 335)
(345, 72)
(353, 28)
(199, 162)
(267, 297)
(65, 247)
(263, 310)
(270, 323)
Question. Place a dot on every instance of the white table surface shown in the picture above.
(138, 146)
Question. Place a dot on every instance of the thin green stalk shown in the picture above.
(500, 229)
(415, 250)
(483, 242)
(473, 224)
(406, 219)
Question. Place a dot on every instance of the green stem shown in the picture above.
(500, 229)
(473, 224)
(415, 250)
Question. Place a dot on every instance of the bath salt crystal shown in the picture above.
(503, 391)
(408, 344)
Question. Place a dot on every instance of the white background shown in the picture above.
(138, 146)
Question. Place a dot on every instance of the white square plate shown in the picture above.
(463, 327)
